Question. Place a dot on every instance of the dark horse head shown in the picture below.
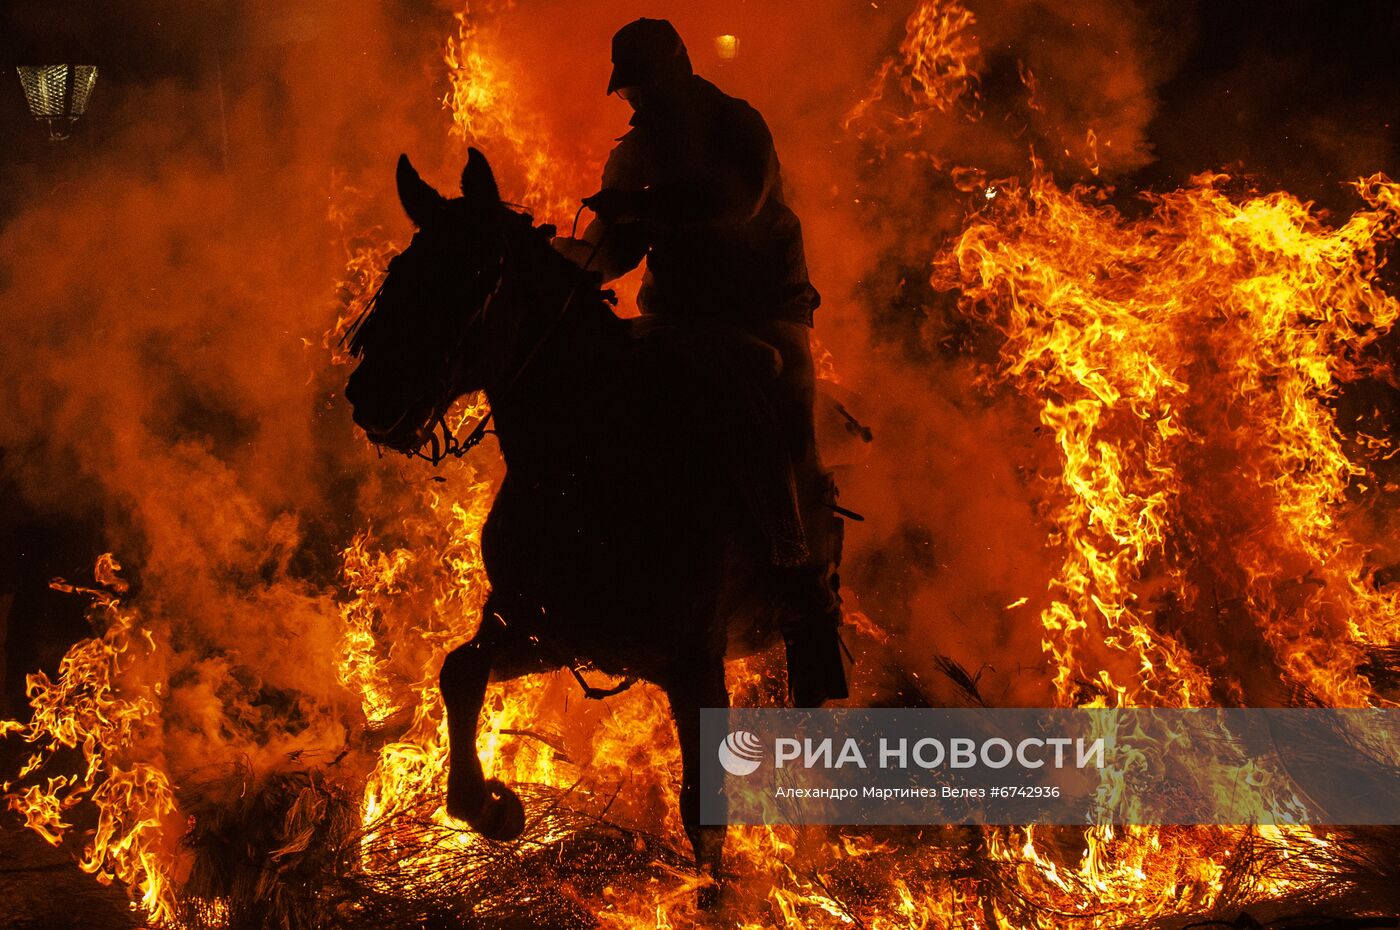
(430, 334)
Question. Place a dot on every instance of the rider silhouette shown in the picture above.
(694, 188)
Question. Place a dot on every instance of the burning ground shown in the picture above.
(1106, 280)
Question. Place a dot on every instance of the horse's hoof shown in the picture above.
(502, 816)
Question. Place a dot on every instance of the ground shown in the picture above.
(42, 888)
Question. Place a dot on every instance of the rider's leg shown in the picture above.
(778, 462)
(815, 669)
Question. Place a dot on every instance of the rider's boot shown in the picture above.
(814, 650)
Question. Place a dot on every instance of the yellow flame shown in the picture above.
(934, 69)
(105, 702)
(1187, 354)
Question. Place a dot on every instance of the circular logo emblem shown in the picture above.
(740, 753)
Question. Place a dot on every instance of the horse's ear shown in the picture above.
(419, 199)
(478, 182)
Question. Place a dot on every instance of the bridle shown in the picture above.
(448, 445)
(441, 438)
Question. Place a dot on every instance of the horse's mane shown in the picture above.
(584, 282)
(353, 339)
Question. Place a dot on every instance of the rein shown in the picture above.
(447, 445)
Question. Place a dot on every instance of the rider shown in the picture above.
(694, 188)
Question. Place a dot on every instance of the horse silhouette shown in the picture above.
(619, 537)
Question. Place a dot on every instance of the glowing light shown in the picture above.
(58, 94)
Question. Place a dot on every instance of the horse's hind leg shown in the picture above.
(688, 692)
(491, 808)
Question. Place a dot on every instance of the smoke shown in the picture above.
(165, 308)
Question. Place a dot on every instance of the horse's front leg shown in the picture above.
(491, 808)
(701, 686)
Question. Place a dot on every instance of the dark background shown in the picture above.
(1303, 93)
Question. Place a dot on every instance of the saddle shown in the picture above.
(712, 343)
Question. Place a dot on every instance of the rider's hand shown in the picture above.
(578, 251)
(615, 206)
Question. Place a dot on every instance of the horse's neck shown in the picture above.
(559, 373)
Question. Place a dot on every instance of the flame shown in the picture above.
(105, 703)
(367, 249)
(935, 67)
(483, 104)
(1183, 364)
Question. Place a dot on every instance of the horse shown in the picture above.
(617, 538)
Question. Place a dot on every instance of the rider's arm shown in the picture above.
(611, 249)
(620, 247)
(613, 245)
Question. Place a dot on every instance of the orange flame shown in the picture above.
(1183, 364)
(105, 703)
(935, 67)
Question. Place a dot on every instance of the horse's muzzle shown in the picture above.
(387, 421)
(407, 434)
